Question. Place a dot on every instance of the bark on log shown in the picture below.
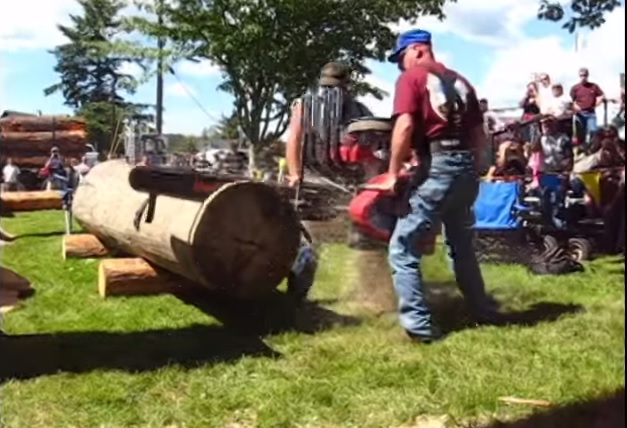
(133, 277)
(241, 241)
(82, 246)
(41, 124)
(31, 201)
(42, 142)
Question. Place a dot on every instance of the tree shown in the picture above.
(87, 72)
(180, 143)
(227, 128)
(271, 51)
(91, 80)
(105, 122)
(583, 13)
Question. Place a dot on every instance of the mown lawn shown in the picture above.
(160, 362)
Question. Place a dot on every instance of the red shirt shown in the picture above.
(585, 95)
(421, 94)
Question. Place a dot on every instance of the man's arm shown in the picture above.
(401, 142)
(406, 104)
(599, 94)
(294, 147)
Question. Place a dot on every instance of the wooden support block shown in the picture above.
(32, 201)
(134, 277)
(82, 246)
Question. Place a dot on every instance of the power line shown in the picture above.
(193, 98)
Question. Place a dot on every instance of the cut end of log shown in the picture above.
(133, 277)
(31, 201)
(82, 246)
(246, 239)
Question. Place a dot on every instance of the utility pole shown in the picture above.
(160, 47)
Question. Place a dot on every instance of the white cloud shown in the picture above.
(179, 89)
(202, 68)
(32, 24)
(131, 69)
(187, 120)
(512, 68)
(489, 22)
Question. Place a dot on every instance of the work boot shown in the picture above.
(435, 336)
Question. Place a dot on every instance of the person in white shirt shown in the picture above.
(545, 93)
(561, 104)
(10, 177)
(82, 168)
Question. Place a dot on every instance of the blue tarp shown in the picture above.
(497, 205)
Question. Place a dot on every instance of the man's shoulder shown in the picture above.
(412, 76)
(577, 86)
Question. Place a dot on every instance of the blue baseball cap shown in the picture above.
(409, 38)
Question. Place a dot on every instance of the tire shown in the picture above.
(579, 249)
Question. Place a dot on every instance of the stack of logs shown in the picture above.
(28, 139)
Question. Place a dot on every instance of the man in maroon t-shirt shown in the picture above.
(587, 96)
(437, 116)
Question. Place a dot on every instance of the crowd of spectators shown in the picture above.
(558, 132)
(57, 172)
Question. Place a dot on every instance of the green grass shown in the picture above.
(160, 362)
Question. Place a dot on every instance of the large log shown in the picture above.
(42, 142)
(133, 277)
(31, 201)
(82, 246)
(241, 240)
(41, 124)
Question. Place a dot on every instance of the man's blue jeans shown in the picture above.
(447, 196)
(588, 122)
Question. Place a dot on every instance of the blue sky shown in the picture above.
(498, 45)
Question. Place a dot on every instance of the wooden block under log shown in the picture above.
(82, 246)
(41, 124)
(133, 277)
(31, 201)
(42, 142)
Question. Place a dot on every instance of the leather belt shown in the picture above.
(448, 145)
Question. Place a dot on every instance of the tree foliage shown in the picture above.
(87, 72)
(105, 122)
(581, 13)
(227, 128)
(91, 77)
(181, 143)
(271, 51)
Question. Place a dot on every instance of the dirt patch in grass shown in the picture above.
(372, 288)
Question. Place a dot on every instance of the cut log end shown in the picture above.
(133, 277)
(82, 246)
